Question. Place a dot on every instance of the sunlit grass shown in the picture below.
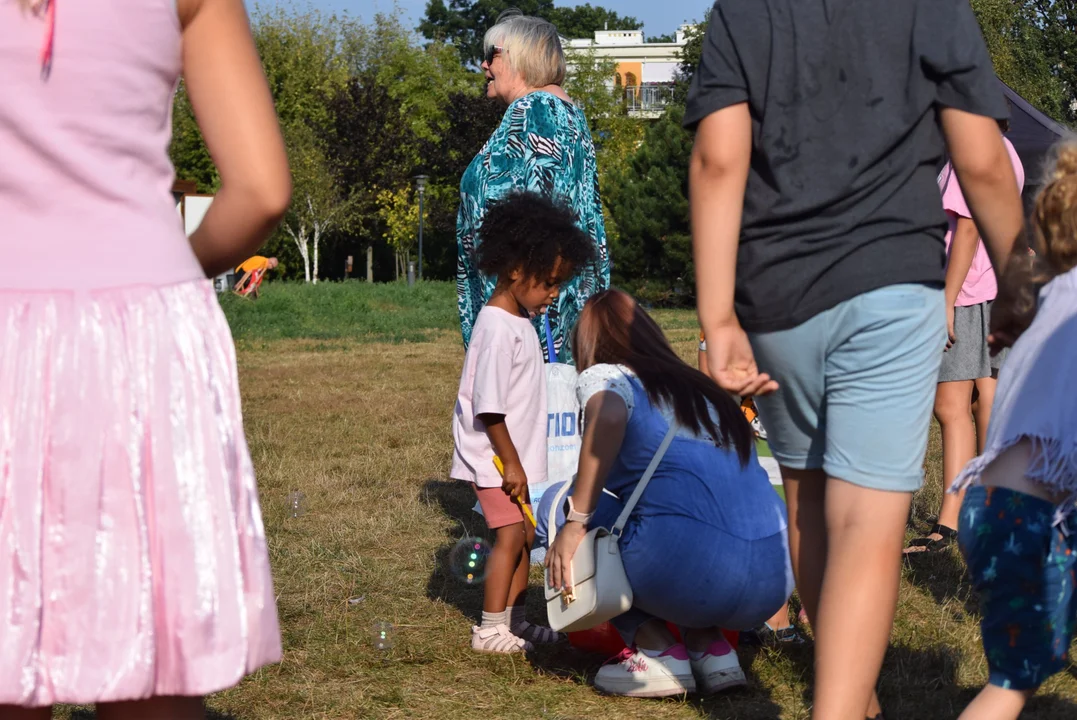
(356, 417)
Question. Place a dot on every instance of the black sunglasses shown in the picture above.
(492, 52)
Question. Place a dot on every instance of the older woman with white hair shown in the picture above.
(543, 144)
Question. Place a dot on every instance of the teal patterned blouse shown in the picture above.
(542, 145)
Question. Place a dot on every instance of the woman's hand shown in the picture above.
(559, 556)
(732, 362)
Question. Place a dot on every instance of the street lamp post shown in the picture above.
(420, 185)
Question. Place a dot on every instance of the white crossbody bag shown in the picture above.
(599, 587)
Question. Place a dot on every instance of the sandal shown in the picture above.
(766, 635)
(947, 536)
(538, 634)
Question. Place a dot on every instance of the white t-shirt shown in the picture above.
(503, 374)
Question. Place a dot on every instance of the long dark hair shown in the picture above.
(614, 329)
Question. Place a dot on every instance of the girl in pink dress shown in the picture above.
(134, 571)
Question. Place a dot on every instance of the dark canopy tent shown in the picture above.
(1033, 134)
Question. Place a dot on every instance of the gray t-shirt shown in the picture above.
(844, 96)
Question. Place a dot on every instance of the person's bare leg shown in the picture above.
(994, 703)
(805, 493)
(503, 566)
(157, 708)
(518, 589)
(11, 712)
(700, 639)
(805, 499)
(780, 619)
(654, 635)
(856, 605)
(953, 410)
(985, 387)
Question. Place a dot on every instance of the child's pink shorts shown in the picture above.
(499, 509)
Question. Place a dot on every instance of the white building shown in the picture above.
(645, 70)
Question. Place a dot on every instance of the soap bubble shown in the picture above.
(383, 635)
(467, 561)
(297, 503)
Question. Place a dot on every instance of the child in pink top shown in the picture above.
(135, 568)
(968, 369)
(531, 246)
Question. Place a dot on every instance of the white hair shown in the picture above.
(530, 46)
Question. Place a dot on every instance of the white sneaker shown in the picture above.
(498, 639)
(634, 674)
(719, 668)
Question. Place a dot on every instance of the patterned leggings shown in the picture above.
(1025, 572)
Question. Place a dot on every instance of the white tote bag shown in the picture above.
(563, 438)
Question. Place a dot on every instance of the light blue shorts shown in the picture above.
(857, 387)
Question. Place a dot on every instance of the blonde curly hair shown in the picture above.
(1055, 216)
(1054, 239)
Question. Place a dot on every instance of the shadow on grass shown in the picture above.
(456, 500)
(563, 661)
(944, 575)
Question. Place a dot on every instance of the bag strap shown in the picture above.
(551, 352)
(634, 498)
(559, 499)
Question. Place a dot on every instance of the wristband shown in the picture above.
(573, 516)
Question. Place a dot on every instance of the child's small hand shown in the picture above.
(515, 481)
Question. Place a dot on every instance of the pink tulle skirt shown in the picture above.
(133, 559)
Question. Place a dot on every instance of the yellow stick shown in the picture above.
(520, 501)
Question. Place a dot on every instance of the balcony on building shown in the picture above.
(645, 71)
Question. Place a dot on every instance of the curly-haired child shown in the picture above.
(1017, 527)
(532, 246)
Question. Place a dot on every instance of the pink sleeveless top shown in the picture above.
(85, 178)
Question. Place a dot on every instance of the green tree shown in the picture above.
(583, 20)
(649, 198)
(463, 23)
(399, 213)
(400, 116)
(615, 134)
(188, 151)
(302, 61)
(690, 56)
(321, 205)
(1023, 55)
(1057, 22)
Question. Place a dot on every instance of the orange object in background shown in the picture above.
(254, 263)
(605, 640)
(253, 282)
(747, 406)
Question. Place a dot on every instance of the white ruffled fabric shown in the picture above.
(133, 560)
(619, 379)
(1036, 397)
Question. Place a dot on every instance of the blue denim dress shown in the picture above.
(707, 544)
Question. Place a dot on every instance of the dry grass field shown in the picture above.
(356, 418)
